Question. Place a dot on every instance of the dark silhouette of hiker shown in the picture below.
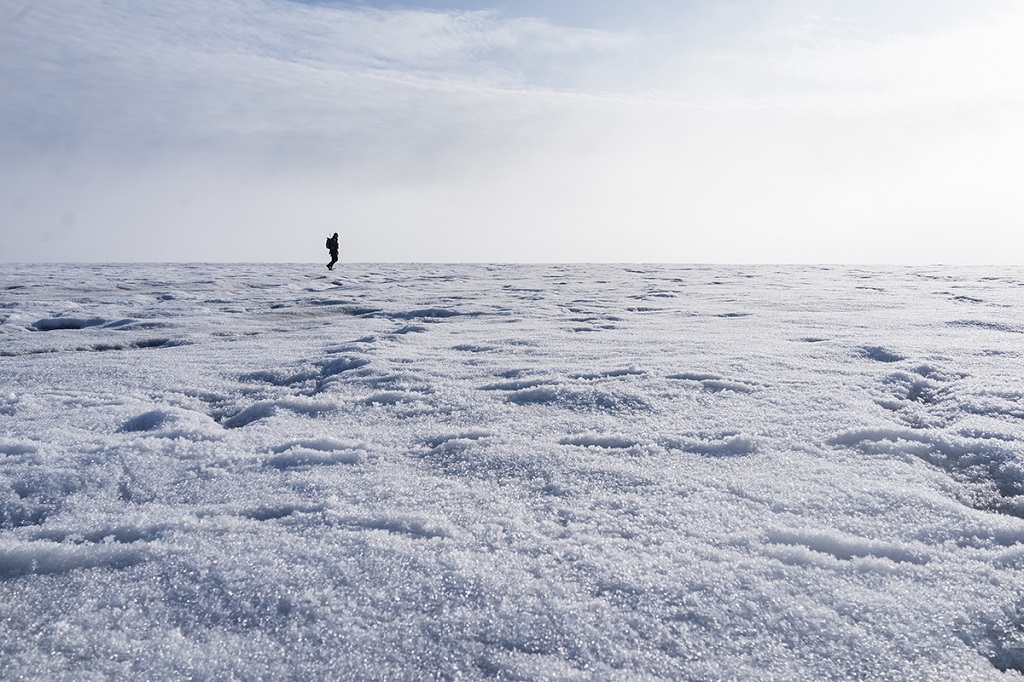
(332, 246)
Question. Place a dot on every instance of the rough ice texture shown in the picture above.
(516, 472)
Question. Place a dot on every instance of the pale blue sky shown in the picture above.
(746, 131)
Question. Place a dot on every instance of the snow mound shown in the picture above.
(265, 409)
(580, 399)
(171, 422)
(315, 452)
(714, 444)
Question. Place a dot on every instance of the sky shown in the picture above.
(744, 131)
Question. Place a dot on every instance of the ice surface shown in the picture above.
(517, 472)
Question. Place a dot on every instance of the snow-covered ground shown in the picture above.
(520, 472)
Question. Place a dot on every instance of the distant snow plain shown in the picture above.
(511, 471)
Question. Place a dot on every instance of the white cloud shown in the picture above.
(184, 130)
(980, 61)
(199, 71)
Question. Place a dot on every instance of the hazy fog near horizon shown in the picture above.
(760, 131)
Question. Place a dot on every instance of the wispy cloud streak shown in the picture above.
(167, 73)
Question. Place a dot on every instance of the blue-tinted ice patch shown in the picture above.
(473, 348)
(422, 313)
(342, 364)
(274, 512)
(18, 558)
(147, 421)
(988, 325)
(13, 448)
(57, 323)
(118, 324)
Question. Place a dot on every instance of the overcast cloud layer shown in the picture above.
(757, 131)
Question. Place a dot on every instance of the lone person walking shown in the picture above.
(332, 246)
